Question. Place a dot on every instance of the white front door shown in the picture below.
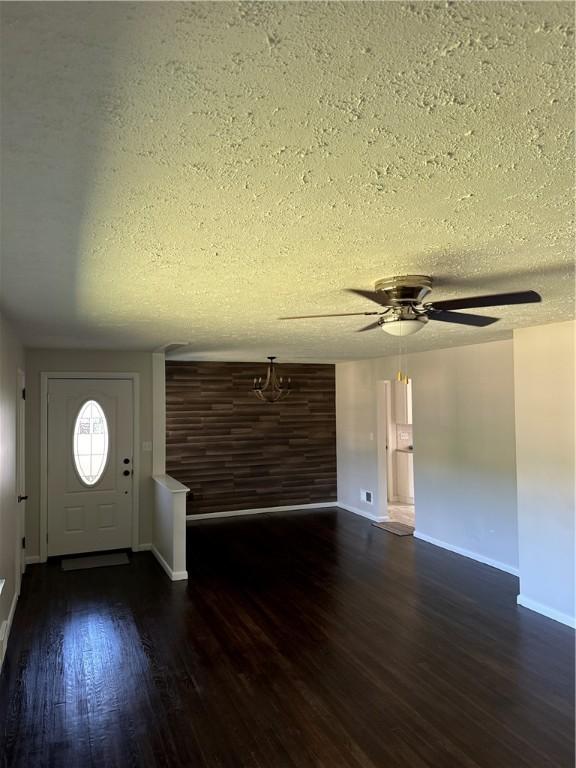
(90, 458)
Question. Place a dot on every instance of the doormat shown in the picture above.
(400, 529)
(94, 561)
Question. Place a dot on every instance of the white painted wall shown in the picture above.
(11, 358)
(544, 383)
(159, 413)
(464, 445)
(39, 360)
(356, 436)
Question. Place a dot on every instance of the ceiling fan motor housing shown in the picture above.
(405, 289)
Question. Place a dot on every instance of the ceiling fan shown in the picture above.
(404, 312)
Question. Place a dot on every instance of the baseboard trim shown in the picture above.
(5, 628)
(172, 575)
(362, 513)
(142, 548)
(31, 559)
(550, 613)
(260, 511)
(467, 553)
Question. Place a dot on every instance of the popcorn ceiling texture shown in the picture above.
(193, 171)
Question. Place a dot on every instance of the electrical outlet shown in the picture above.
(366, 496)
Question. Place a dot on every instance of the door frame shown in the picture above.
(20, 475)
(45, 377)
(384, 445)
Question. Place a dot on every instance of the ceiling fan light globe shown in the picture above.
(403, 327)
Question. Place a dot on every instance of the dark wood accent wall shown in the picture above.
(234, 451)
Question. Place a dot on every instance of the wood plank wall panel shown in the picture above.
(235, 452)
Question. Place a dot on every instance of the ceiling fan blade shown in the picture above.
(340, 314)
(494, 300)
(455, 317)
(369, 327)
(377, 296)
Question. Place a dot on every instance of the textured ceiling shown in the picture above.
(193, 171)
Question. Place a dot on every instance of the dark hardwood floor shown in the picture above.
(300, 641)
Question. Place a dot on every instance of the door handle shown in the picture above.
(21, 498)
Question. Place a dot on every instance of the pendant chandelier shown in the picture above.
(272, 388)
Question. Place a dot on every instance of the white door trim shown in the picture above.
(384, 446)
(21, 474)
(45, 377)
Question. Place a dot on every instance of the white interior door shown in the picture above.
(90, 459)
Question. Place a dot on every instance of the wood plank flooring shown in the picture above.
(302, 640)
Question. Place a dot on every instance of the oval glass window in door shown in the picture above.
(90, 442)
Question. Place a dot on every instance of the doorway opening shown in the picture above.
(396, 451)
